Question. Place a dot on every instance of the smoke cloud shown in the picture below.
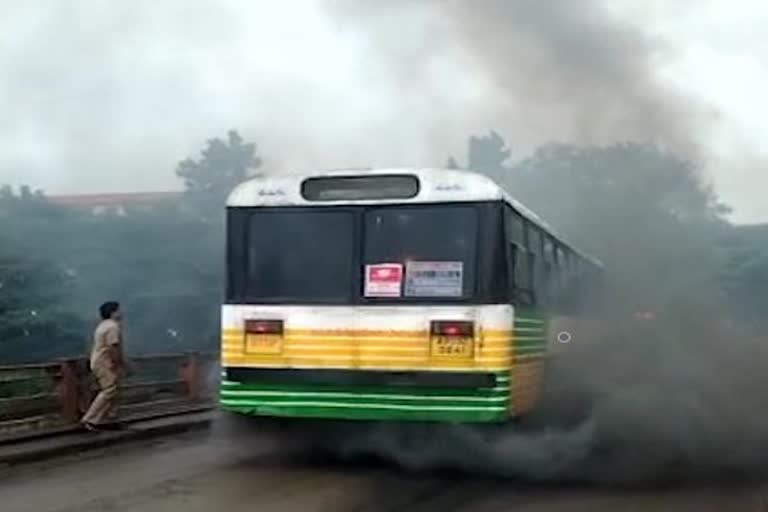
(633, 401)
(100, 98)
(553, 71)
(633, 406)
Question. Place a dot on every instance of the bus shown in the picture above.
(389, 295)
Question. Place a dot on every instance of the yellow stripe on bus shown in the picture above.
(368, 339)
(311, 364)
(364, 344)
(366, 333)
(359, 362)
(362, 351)
(352, 356)
(367, 348)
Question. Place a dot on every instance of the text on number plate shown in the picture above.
(445, 346)
(263, 343)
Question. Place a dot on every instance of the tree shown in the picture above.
(222, 165)
(164, 264)
(34, 321)
(642, 211)
(26, 202)
(745, 275)
(488, 154)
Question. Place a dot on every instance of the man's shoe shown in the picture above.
(90, 427)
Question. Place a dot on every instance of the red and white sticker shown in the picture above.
(383, 280)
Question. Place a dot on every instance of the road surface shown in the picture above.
(201, 472)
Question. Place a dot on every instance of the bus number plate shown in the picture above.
(263, 343)
(452, 347)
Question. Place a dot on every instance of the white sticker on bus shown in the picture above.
(383, 280)
(434, 279)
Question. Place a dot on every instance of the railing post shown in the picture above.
(68, 390)
(191, 375)
(85, 385)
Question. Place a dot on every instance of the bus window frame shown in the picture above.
(355, 281)
(537, 257)
(486, 287)
(518, 295)
(480, 236)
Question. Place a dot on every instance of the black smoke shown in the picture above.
(553, 70)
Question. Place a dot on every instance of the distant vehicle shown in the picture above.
(405, 294)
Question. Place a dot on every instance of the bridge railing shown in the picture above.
(54, 395)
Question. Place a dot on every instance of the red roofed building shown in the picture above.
(117, 203)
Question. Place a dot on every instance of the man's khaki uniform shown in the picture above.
(106, 340)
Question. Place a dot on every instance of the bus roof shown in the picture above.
(435, 186)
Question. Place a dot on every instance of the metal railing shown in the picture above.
(54, 395)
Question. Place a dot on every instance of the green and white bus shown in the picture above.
(389, 295)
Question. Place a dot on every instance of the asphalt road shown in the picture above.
(205, 472)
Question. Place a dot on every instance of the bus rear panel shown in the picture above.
(389, 295)
(307, 333)
(448, 363)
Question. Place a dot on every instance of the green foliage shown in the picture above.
(26, 202)
(164, 264)
(34, 319)
(488, 154)
(161, 258)
(646, 213)
(222, 165)
(745, 275)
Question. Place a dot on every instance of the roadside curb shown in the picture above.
(59, 445)
(70, 428)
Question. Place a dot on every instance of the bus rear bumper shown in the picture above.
(471, 397)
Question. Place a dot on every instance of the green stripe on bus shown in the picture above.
(367, 412)
(382, 393)
(527, 347)
(501, 389)
(366, 402)
(528, 321)
(500, 394)
(361, 398)
(529, 331)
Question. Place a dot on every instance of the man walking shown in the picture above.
(107, 365)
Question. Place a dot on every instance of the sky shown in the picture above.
(99, 96)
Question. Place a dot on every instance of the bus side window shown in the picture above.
(550, 270)
(567, 280)
(521, 260)
(535, 249)
(515, 227)
(519, 271)
(561, 275)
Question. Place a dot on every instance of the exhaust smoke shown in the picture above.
(639, 405)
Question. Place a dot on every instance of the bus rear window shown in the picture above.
(436, 245)
(349, 188)
(295, 256)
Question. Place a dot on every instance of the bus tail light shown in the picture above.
(266, 327)
(263, 336)
(452, 339)
(453, 329)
